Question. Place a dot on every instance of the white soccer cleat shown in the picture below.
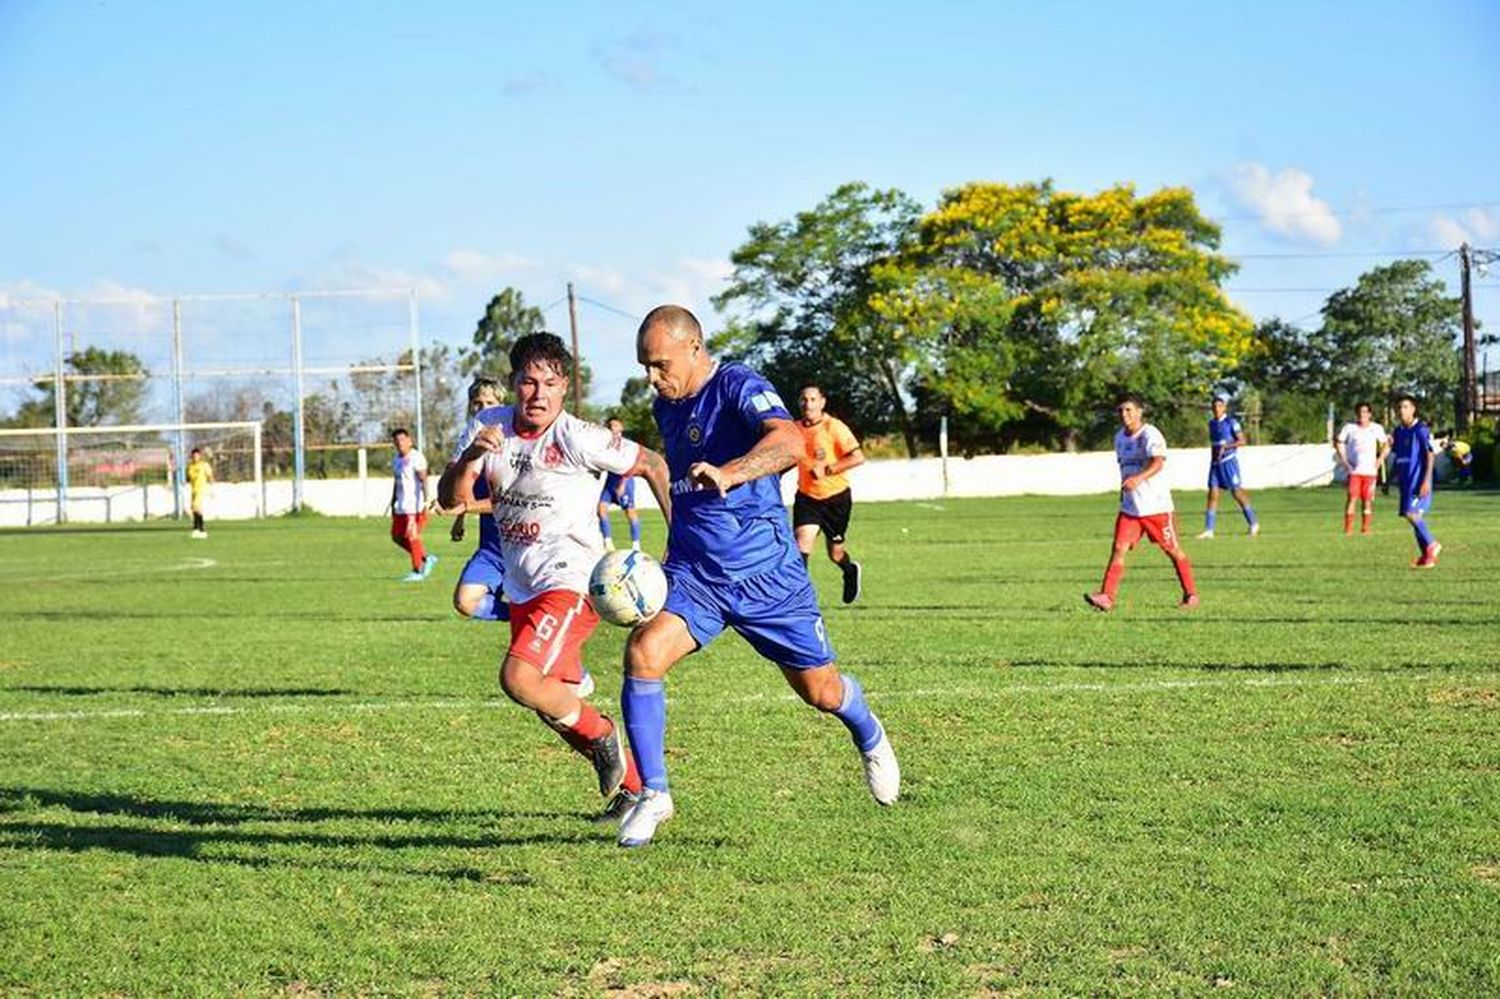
(1255, 529)
(1204, 535)
(882, 772)
(639, 824)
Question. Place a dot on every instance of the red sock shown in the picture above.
(1348, 523)
(1185, 575)
(1112, 577)
(581, 743)
(1364, 524)
(418, 553)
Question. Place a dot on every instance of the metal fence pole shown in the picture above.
(416, 362)
(60, 415)
(260, 479)
(179, 442)
(297, 429)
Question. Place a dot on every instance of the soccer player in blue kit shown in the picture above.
(621, 492)
(731, 561)
(479, 593)
(1225, 438)
(1411, 445)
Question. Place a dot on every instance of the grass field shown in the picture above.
(259, 764)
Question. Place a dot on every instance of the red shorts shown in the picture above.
(400, 520)
(549, 630)
(1362, 487)
(1159, 527)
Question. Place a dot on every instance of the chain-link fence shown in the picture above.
(324, 373)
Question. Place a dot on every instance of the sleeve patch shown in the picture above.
(766, 401)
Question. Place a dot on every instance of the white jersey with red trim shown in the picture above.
(1361, 445)
(1134, 452)
(408, 498)
(545, 490)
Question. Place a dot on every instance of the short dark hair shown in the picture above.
(399, 431)
(682, 323)
(815, 387)
(541, 348)
(613, 418)
(482, 382)
(1363, 405)
(1131, 397)
(1408, 397)
(196, 450)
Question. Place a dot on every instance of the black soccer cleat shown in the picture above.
(615, 811)
(609, 761)
(853, 574)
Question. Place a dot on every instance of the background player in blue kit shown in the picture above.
(731, 558)
(479, 593)
(619, 491)
(1411, 447)
(1225, 438)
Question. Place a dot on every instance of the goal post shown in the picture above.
(126, 472)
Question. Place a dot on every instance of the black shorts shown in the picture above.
(831, 515)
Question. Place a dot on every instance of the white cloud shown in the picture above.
(635, 59)
(474, 265)
(1284, 203)
(234, 249)
(350, 273)
(711, 269)
(1477, 225)
(605, 280)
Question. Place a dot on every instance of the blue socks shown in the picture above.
(1210, 518)
(604, 527)
(644, 705)
(855, 714)
(1249, 512)
(635, 531)
(1424, 536)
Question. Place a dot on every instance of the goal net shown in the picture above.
(126, 473)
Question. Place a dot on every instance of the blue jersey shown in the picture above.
(1410, 447)
(1221, 437)
(744, 534)
(489, 531)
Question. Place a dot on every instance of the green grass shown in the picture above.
(283, 771)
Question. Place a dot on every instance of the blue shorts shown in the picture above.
(1224, 474)
(626, 499)
(1412, 503)
(485, 568)
(777, 613)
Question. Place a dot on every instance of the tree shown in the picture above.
(117, 395)
(506, 318)
(1106, 292)
(804, 288)
(386, 400)
(1396, 330)
(634, 411)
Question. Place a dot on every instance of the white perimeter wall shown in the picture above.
(989, 475)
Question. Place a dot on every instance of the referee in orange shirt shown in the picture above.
(823, 500)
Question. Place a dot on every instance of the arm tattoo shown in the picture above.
(771, 455)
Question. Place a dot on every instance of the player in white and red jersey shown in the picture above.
(1361, 448)
(1145, 505)
(408, 516)
(543, 465)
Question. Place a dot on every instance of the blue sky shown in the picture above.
(158, 148)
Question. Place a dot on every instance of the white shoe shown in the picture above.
(882, 772)
(200, 535)
(1204, 535)
(1255, 529)
(639, 824)
(583, 688)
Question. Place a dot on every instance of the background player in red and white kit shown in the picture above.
(1361, 448)
(1145, 505)
(409, 469)
(542, 465)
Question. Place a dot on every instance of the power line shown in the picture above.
(1332, 256)
(609, 308)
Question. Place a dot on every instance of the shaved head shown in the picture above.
(675, 321)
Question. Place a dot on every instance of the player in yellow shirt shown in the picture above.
(824, 502)
(199, 475)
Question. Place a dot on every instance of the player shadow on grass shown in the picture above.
(71, 691)
(214, 836)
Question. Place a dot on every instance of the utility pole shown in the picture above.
(1468, 395)
(578, 362)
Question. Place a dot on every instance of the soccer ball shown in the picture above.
(627, 588)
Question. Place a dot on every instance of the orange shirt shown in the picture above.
(825, 443)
